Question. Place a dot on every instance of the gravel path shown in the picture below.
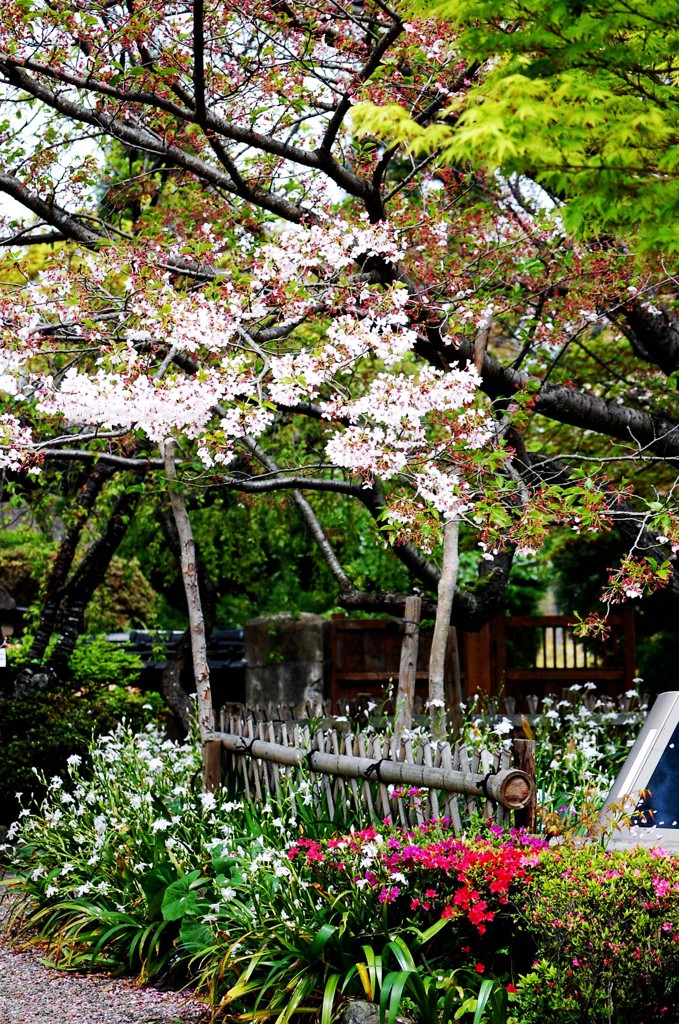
(32, 993)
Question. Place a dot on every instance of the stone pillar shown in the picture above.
(286, 660)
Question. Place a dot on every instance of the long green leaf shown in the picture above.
(329, 998)
(401, 952)
(321, 939)
(392, 994)
(484, 995)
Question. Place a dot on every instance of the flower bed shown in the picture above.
(132, 867)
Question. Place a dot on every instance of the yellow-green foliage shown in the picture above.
(582, 97)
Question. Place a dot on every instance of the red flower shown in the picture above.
(511, 988)
(480, 968)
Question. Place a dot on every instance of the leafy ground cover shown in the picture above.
(47, 726)
(275, 913)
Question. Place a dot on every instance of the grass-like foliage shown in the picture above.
(581, 744)
(131, 867)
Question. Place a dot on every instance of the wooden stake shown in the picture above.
(212, 765)
(406, 674)
(453, 684)
(524, 760)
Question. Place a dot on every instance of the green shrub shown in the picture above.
(606, 926)
(131, 866)
(47, 726)
(581, 744)
(96, 660)
(125, 600)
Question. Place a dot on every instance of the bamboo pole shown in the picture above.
(511, 787)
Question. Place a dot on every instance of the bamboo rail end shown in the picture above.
(511, 788)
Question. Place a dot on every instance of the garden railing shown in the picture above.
(406, 780)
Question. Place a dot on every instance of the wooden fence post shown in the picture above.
(453, 683)
(405, 695)
(212, 765)
(524, 759)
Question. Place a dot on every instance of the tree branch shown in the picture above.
(309, 516)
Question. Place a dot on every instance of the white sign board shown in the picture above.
(648, 785)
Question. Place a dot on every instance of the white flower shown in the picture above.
(161, 825)
(369, 854)
(208, 801)
(74, 760)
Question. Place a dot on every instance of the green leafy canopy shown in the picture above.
(580, 98)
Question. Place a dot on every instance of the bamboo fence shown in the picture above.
(403, 780)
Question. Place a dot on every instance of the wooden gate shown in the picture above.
(514, 656)
(542, 655)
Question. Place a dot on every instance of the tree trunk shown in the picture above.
(206, 585)
(87, 577)
(437, 660)
(201, 671)
(172, 688)
(406, 675)
(174, 694)
(56, 584)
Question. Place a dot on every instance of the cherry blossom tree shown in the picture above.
(284, 304)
